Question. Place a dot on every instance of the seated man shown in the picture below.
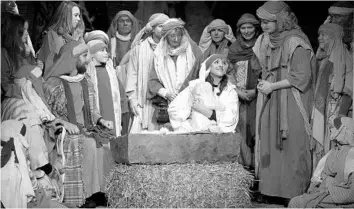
(218, 104)
(66, 93)
(332, 184)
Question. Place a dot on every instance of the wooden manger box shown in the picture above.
(176, 148)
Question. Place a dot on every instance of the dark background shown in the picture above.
(310, 14)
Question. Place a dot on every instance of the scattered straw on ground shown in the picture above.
(179, 185)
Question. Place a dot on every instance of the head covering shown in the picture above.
(96, 40)
(247, 18)
(65, 61)
(339, 55)
(163, 50)
(285, 19)
(155, 20)
(205, 66)
(205, 39)
(341, 8)
(113, 28)
(241, 49)
(96, 35)
(171, 24)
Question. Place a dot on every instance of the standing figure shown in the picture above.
(62, 26)
(283, 157)
(141, 62)
(121, 34)
(333, 87)
(174, 59)
(104, 79)
(244, 74)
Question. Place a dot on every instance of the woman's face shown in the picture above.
(25, 33)
(247, 31)
(76, 16)
(174, 37)
(125, 25)
(268, 26)
(323, 40)
(157, 31)
(219, 67)
(217, 35)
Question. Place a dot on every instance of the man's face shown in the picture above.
(174, 37)
(341, 20)
(81, 63)
(124, 25)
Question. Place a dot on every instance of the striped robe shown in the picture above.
(333, 190)
(14, 109)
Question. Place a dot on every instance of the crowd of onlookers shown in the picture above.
(61, 105)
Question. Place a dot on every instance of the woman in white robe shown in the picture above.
(224, 108)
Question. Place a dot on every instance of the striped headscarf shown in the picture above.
(155, 20)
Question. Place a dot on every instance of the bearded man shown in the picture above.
(66, 92)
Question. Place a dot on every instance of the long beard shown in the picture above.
(80, 67)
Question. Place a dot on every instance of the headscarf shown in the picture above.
(96, 40)
(205, 42)
(286, 27)
(341, 8)
(205, 66)
(242, 49)
(65, 61)
(113, 29)
(163, 49)
(155, 20)
(338, 55)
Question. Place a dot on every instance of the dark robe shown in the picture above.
(104, 93)
(286, 171)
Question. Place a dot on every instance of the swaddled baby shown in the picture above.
(203, 92)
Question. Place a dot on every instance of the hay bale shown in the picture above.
(179, 185)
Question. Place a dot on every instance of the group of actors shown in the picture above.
(62, 105)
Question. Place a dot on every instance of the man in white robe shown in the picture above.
(139, 66)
